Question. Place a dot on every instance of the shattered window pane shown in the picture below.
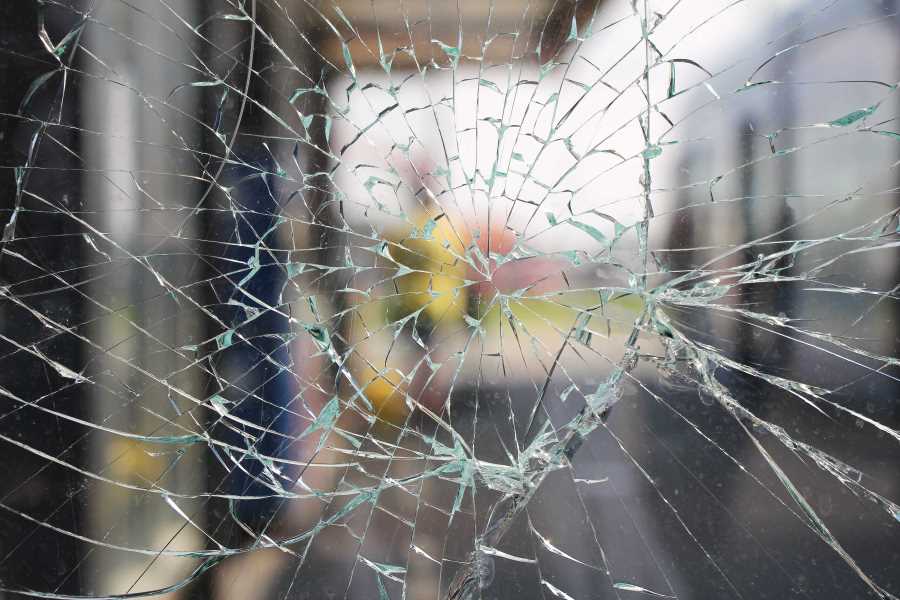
(450, 300)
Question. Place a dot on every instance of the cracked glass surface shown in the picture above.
(450, 300)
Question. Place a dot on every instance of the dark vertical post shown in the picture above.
(37, 156)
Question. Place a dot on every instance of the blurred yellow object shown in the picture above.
(385, 391)
(428, 286)
(549, 317)
(435, 252)
(426, 299)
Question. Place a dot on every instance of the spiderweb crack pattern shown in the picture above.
(397, 299)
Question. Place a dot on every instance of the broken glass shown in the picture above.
(416, 299)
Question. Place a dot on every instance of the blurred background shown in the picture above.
(289, 291)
